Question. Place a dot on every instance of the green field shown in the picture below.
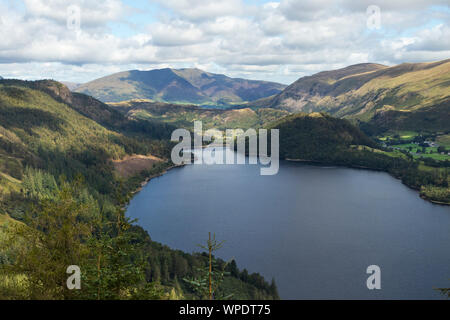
(394, 153)
(404, 135)
(430, 152)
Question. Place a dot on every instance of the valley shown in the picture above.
(63, 150)
(184, 116)
(210, 157)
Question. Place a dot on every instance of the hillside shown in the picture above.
(97, 110)
(185, 115)
(38, 129)
(189, 86)
(360, 91)
(318, 137)
(429, 119)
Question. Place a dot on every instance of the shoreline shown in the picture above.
(435, 201)
(424, 197)
(310, 162)
(156, 175)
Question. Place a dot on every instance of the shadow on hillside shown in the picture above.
(27, 119)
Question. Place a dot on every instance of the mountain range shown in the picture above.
(186, 86)
(363, 91)
(405, 97)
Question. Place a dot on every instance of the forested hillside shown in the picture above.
(317, 137)
(41, 132)
(434, 118)
(62, 200)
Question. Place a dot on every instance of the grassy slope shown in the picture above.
(362, 92)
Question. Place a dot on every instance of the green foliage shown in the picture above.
(116, 268)
(209, 278)
(70, 229)
(436, 193)
(38, 184)
(317, 137)
(54, 234)
(41, 127)
(169, 267)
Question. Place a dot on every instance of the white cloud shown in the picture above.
(307, 10)
(93, 13)
(277, 41)
(177, 33)
(434, 39)
(202, 10)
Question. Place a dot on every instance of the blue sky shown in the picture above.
(270, 40)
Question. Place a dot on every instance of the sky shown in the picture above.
(81, 40)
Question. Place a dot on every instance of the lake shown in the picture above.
(314, 229)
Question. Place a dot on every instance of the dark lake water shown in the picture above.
(314, 229)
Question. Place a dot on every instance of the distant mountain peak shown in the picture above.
(185, 85)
